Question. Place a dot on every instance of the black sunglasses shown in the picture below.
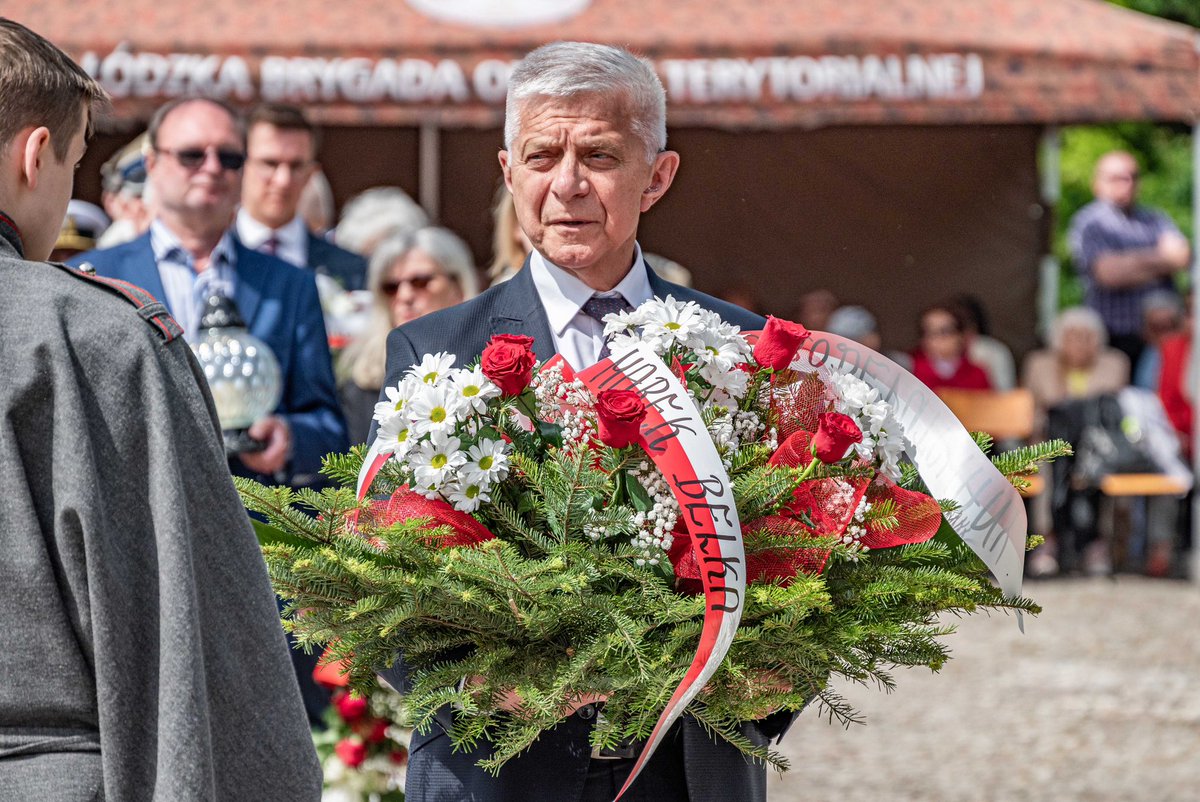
(193, 158)
(418, 283)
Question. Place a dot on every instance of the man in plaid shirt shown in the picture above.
(1123, 251)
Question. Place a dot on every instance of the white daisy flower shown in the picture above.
(397, 397)
(433, 368)
(436, 461)
(732, 383)
(395, 436)
(488, 462)
(720, 352)
(473, 389)
(467, 496)
(435, 409)
(623, 322)
(670, 321)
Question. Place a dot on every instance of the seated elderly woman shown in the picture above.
(409, 275)
(1078, 363)
(940, 360)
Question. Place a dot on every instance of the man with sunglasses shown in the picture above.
(281, 158)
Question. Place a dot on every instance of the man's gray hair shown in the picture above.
(567, 69)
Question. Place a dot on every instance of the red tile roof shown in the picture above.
(740, 63)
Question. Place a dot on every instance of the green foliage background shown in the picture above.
(1164, 152)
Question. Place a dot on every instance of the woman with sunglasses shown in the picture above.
(409, 275)
(940, 359)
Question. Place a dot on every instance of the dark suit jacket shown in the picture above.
(280, 306)
(346, 268)
(555, 768)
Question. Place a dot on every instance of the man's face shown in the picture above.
(280, 163)
(580, 181)
(1116, 180)
(56, 181)
(204, 195)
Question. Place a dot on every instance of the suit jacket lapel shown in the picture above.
(249, 291)
(519, 310)
(142, 270)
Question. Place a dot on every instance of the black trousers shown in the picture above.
(662, 780)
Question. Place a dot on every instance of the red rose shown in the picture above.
(778, 343)
(508, 361)
(331, 673)
(620, 414)
(351, 751)
(378, 731)
(351, 708)
(835, 434)
(399, 756)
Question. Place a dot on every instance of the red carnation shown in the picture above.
(835, 434)
(508, 361)
(620, 414)
(351, 751)
(349, 707)
(778, 343)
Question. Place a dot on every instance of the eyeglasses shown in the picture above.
(418, 283)
(194, 158)
(271, 165)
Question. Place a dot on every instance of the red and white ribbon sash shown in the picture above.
(991, 519)
(677, 441)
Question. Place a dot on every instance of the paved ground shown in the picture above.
(1099, 700)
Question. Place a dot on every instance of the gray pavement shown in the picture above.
(1099, 700)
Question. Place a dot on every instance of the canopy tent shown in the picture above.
(887, 151)
(762, 64)
(757, 64)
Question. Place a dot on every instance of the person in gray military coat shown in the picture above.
(140, 653)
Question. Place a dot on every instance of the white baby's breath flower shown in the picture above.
(487, 462)
(435, 409)
(474, 389)
(436, 461)
(433, 368)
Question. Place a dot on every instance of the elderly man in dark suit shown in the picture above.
(584, 158)
(281, 157)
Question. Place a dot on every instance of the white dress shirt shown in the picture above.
(292, 238)
(577, 336)
(185, 289)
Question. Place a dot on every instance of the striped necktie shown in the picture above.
(598, 306)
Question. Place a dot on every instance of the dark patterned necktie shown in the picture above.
(271, 246)
(597, 307)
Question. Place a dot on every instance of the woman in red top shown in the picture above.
(940, 360)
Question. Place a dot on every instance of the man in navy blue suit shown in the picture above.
(281, 156)
(585, 156)
(195, 159)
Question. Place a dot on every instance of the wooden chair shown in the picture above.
(1004, 414)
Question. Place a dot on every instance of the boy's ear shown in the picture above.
(36, 148)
